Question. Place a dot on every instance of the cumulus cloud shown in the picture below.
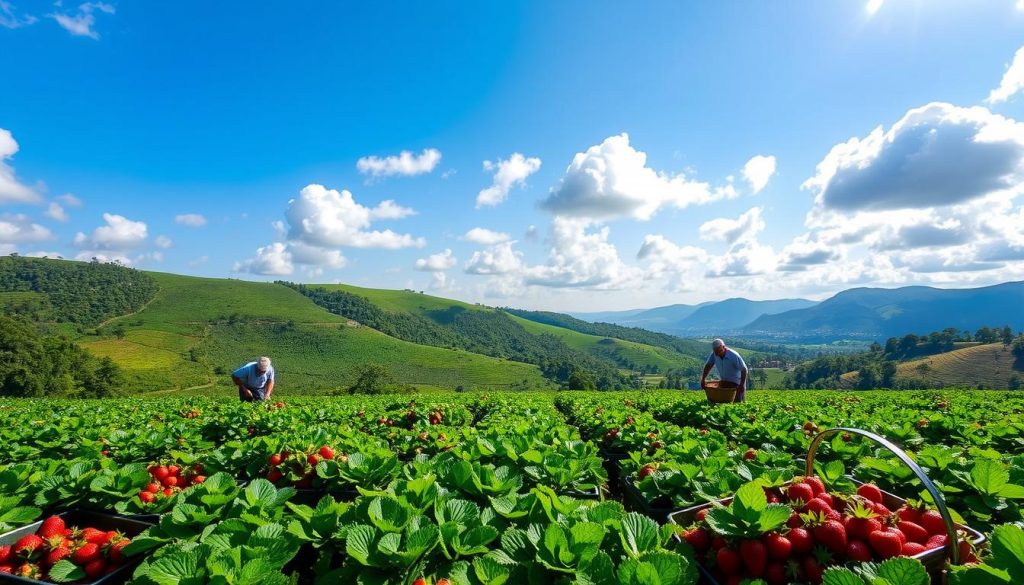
(744, 228)
(119, 234)
(9, 18)
(316, 257)
(804, 253)
(936, 155)
(404, 164)
(80, 24)
(329, 218)
(190, 219)
(580, 257)
(70, 200)
(485, 236)
(55, 212)
(507, 174)
(758, 171)
(388, 209)
(18, 228)
(437, 262)
(163, 242)
(680, 267)
(1012, 82)
(12, 190)
(499, 258)
(273, 260)
(612, 180)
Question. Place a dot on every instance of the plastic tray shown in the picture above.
(81, 518)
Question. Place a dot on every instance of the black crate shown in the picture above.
(130, 527)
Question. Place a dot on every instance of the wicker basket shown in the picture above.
(934, 560)
(720, 392)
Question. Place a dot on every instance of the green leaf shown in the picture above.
(904, 571)
(64, 571)
(489, 571)
(388, 514)
(978, 575)
(840, 576)
(20, 515)
(773, 516)
(359, 543)
(639, 534)
(749, 501)
(172, 569)
(1008, 551)
(260, 493)
(989, 476)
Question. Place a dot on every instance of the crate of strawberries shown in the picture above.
(794, 532)
(79, 545)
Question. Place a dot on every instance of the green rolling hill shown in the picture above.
(990, 365)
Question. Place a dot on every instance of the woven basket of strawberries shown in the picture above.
(79, 546)
(794, 531)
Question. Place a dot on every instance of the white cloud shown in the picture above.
(935, 155)
(55, 212)
(81, 23)
(12, 190)
(612, 180)
(10, 19)
(507, 174)
(119, 234)
(499, 258)
(404, 164)
(274, 260)
(1013, 78)
(744, 228)
(680, 267)
(163, 242)
(331, 219)
(18, 228)
(190, 219)
(70, 200)
(804, 253)
(388, 209)
(439, 281)
(485, 236)
(580, 258)
(318, 257)
(758, 171)
(437, 262)
(44, 254)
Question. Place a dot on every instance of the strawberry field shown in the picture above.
(516, 488)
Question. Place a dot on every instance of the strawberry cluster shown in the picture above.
(302, 465)
(97, 552)
(170, 479)
(824, 529)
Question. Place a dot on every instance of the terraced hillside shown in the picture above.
(977, 366)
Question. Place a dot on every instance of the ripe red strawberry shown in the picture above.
(420, 581)
(912, 548)
(698, 538)
(52, 526)
(153, 488)
(701, 514)
(813, 570)
(93, 535)
(29, 547)
(858, 550)
(718, 543)
(881, 510)
(444, 582)
(779, 547)
(775, 574)
(885, 543)
(750, 454)
(862, 521)
(795, 521)
(173, 470)
(326, 452)
(88, 553)
(115, 551)
(801, 540)
(161, 473)
(5, 554)
(832, 534)
(937, 541)
(728, 561)
(755, 557)
(816, 484)
(871, 492)
(313, 459)
(908, 514)
(198, 479)
(56, 554)
(168, 492)
(967, 555)
(645, 471)
(820, 507)
(274, 475)
(96, 568)
(800, 491)
(914, 532)
(827, 498)
(932, 522)
(170, 481)
(6, 569)
(147, 497)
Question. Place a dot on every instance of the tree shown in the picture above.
(371, 379)
(1007, 335)
(580, 380)
(762, 377)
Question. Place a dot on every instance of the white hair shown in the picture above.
(717, 343)
(264, 362)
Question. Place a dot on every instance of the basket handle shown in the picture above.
(953, 544)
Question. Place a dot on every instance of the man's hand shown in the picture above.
(703, 384)
(248, 393)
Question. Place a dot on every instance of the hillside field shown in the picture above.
(976, 366)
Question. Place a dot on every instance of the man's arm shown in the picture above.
(270, 387)
(743, 377)
(704, 376)
(241, 386)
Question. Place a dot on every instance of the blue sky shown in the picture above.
(560, 155)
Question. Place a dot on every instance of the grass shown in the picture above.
(989, 366)
(403, 300)
(197, 330)
(618, 350)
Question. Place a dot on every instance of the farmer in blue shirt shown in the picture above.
(255, 380)
(730, 366)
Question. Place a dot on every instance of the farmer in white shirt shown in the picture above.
(255, 380)
(730, 366)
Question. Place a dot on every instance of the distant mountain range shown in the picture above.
(704, 319)
(860, 313)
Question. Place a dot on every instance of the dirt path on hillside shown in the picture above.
(136, 312)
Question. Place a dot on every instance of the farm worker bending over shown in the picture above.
(255, 380)
(730, 366)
